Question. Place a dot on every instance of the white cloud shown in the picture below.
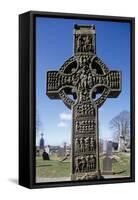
(62, 124)
(65, 116)
(64, 119)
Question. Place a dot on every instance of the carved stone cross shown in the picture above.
(84, 82)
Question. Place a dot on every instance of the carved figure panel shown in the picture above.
(85, 164)
(85, 144)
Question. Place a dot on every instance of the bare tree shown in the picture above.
(121, 125)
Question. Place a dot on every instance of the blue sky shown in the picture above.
(54, 44)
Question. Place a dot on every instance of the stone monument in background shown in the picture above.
(107, 160)
(42, 142)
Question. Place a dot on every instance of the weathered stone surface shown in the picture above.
(84, 76)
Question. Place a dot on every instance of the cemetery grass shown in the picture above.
(121, 167)
(54, 168)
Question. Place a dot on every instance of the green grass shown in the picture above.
(52, 168)
(55, 168)
(123, 165)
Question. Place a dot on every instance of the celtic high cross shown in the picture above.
(83, 83)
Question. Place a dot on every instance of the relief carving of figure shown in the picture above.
(77, 144)
(83, 164)
(88, 164)
(82, 144)
(89, 80)
(77, 126)
(77, 164)
(92, 162)
(79, 43)
(92, 111)
(87, 144)
(83, 78)
(92, 125)
(92, 144)
(85, 109)
(87, 44)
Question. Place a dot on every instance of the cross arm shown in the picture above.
(112, 80)
(115, 82)
(57, 81)
(52, 84)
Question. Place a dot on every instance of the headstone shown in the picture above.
(109, 148)
(84, 76)
(121, 145)
(107, 160)
(107, 165)
(115, 146)
(45, 155)
(104, 146)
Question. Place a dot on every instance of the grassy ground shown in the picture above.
(55, 168)
(52, 168)
(123, 164)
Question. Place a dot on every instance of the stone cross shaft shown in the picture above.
(84, 82)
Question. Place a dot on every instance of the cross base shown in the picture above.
(87, 176)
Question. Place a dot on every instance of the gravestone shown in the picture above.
(121, 145)
(109, 148)
(107, 160)
(104, 146)
(85, 77)
(107, 166)
(45, 155)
